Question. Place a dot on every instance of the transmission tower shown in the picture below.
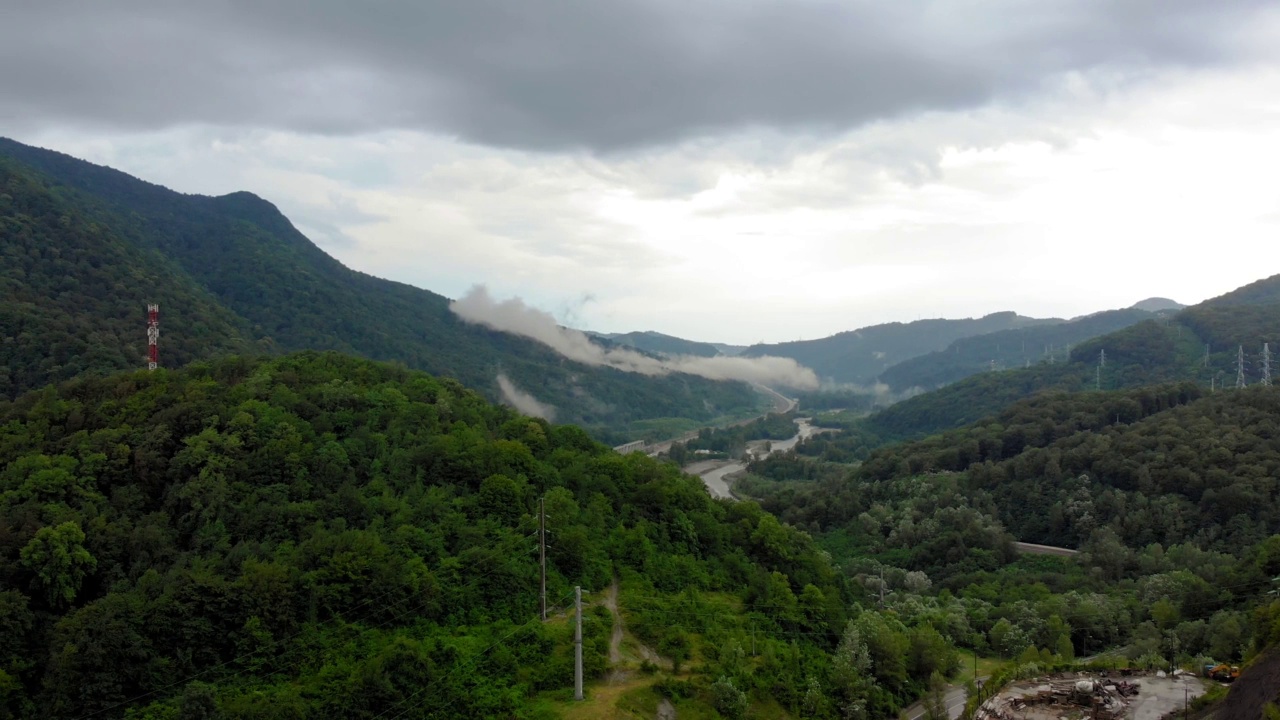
(1206, 355)
(1240, 368)
(153, 336)
(1266, 364)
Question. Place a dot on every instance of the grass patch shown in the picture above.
(986, 667)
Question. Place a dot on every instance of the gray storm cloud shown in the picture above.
(523, 401)
(514, 316)
(581, 73)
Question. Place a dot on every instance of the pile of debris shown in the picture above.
(1105, 699)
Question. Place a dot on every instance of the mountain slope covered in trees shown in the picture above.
(1199, 344)
(1168, 491)
(73, 294)
(322, 536)
(1004, 349)
(231, 274)
(859, 356)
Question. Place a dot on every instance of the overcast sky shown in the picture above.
(725, 170)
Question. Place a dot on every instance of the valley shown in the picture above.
(325, 502)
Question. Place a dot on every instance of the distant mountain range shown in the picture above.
(86, 248)
(1005, 349)
(860, 356)
(1199, 344)
(924, 354)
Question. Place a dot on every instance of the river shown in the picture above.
(715, 472)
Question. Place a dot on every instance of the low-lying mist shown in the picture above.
(523, 401)
(515, 317)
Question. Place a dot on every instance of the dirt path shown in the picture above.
(666, 711)
(615, 640)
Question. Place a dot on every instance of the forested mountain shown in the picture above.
(322, 536)
(1004, 349)
(1171, 464)
(88, 247)
(1168, 491)
(1153, 351)
(73, 294)
(660, 344)
(859, 356)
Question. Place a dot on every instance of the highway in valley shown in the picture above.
(715, 473)
(781, 404)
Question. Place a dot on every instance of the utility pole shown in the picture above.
(1240, 368)
(542, 552)
(1266, 364)
(577, 646)
(153, 336)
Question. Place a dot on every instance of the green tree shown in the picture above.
(58, 558)
(729, 701)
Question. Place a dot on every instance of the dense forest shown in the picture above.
(73, 295)
(316, 535)
(86, 248)
(1169, 464)
(1168, 492)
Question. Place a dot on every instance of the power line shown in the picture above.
(1266, 365)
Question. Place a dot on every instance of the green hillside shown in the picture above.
(1151, 351)
(73, 295)
(322, 536)
(860, 356)
(658, 343)
(1168, 492)
(232, 273)
(1004, 349)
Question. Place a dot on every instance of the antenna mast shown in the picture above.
(1240, 368)
(1102, 362)
(153, 336)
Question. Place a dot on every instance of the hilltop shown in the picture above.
(325, 536)
(660, 344)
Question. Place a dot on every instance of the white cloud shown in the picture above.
(1094, 194)
(514, 316)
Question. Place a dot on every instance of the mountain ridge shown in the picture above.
(285, 293)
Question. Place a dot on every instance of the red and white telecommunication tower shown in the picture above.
(153, 336)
